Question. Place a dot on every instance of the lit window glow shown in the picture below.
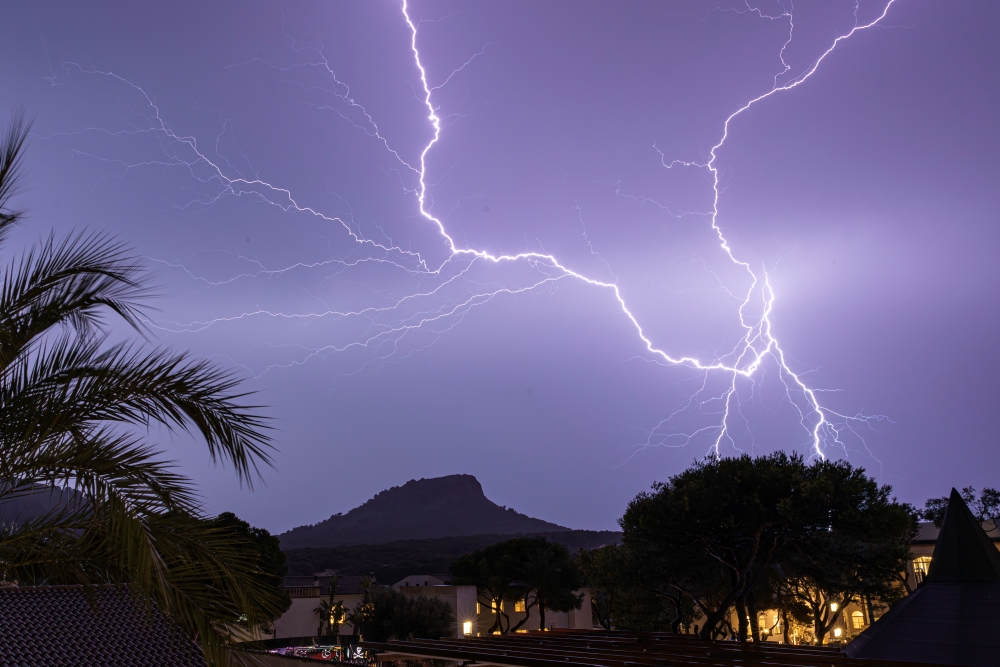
(920, 567)
(858, 620)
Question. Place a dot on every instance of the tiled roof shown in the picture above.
(55, 626)
(346, 584)
(299, 582)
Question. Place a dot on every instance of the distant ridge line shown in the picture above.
(449, 506)
(392, 561)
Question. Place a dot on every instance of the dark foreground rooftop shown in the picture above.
(52, 626)
(576, 648)
(953, 618)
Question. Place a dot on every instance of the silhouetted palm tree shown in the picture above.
(75, 412)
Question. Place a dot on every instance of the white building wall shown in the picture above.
(461, 599)
(301, 619)
(578, 619)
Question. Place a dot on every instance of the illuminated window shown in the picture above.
(467, 628)
(519, 605)
(857, 619)
(479, 608)
(920, 567)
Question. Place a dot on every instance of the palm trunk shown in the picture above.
(541, 615)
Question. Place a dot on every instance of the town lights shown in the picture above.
(833, 607)
(837, 632)
(467, 628)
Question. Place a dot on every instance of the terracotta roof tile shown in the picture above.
(52, 626)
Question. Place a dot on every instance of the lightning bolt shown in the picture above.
(467, 277)
(759, 341)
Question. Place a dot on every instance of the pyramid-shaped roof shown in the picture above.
(953, 618)
(963, 552)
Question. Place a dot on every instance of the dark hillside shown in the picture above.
(419, 510)
(395, 560)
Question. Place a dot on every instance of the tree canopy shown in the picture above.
(270, 559)
(715, 533)
(985, 506)
(385, 613)
(530, 571)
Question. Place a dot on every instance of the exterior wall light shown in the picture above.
(837, 632)
(467, 628)
(834, 606)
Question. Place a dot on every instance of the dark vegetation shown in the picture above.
(747, 534)
(385, 613)
(395, 560)
(532, 571)
(985, 507)
(268, 557)
(78, 416)
(420, 509)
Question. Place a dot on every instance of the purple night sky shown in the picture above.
(266, 158)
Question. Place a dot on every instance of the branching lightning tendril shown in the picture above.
(455, 290)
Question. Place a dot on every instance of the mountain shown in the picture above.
(393, 561)
(420, 509)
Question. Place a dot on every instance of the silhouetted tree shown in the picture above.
(270, 560)
(826, 521)
(986, 507)
(629, 592)
(490, 571)
(385, 613)
(528, 570)
(546, 576)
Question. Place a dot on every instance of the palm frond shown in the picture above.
(71, 383)
(69, 282)
(11, 165)
(69, 406)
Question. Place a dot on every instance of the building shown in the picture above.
(67, 625)
(953, 618)
(923, 550)
(302, 619)
(854, 618)
(473, 616)
(461, 599)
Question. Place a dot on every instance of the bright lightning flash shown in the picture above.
(457, 282)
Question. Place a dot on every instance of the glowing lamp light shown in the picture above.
(837, 632)
(467, 628)
(834, 606)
